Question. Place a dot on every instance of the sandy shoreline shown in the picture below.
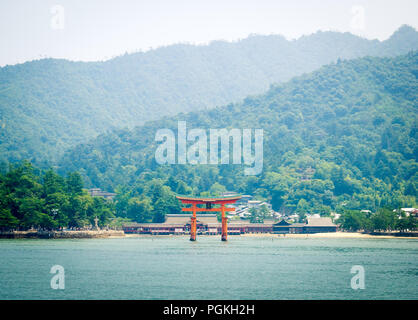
(67, 234)
(333, 235)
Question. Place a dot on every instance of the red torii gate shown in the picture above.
(194, 201)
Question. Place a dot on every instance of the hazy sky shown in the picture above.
(99, 29)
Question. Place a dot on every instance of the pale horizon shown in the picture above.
(97, 31)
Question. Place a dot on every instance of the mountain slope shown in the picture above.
(49, 105)
(343, 135)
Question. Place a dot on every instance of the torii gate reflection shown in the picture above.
(209, 202)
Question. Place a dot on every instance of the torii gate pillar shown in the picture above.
(224, 224)
(193, 230)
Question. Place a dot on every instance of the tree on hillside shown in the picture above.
(256, 216)
(74, 183)
(140, 209)
(352, 220)
(384, 219)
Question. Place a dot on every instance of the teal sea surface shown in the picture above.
(172, 267)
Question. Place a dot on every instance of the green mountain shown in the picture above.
(49, 105)
(345, 135)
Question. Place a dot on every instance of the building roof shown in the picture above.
(179, 220)
(152, 224)
(229, 193)
(320, 222)
(282, 222)
(247, 222)
(186, 218)
(297, 225)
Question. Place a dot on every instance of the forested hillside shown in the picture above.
(342, 136)
(49, 105)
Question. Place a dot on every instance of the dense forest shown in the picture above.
(34, 198)
(341, 138)
(49, 105)
(384, 219)
(31, 197)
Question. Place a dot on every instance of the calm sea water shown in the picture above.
(242, 268)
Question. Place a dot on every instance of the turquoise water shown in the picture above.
(242, 268)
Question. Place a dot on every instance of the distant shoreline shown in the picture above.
(329, 235)
(114, 234)
(67, 234)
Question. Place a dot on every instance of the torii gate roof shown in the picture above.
(204, 200)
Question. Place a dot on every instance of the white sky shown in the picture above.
(100, 29)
